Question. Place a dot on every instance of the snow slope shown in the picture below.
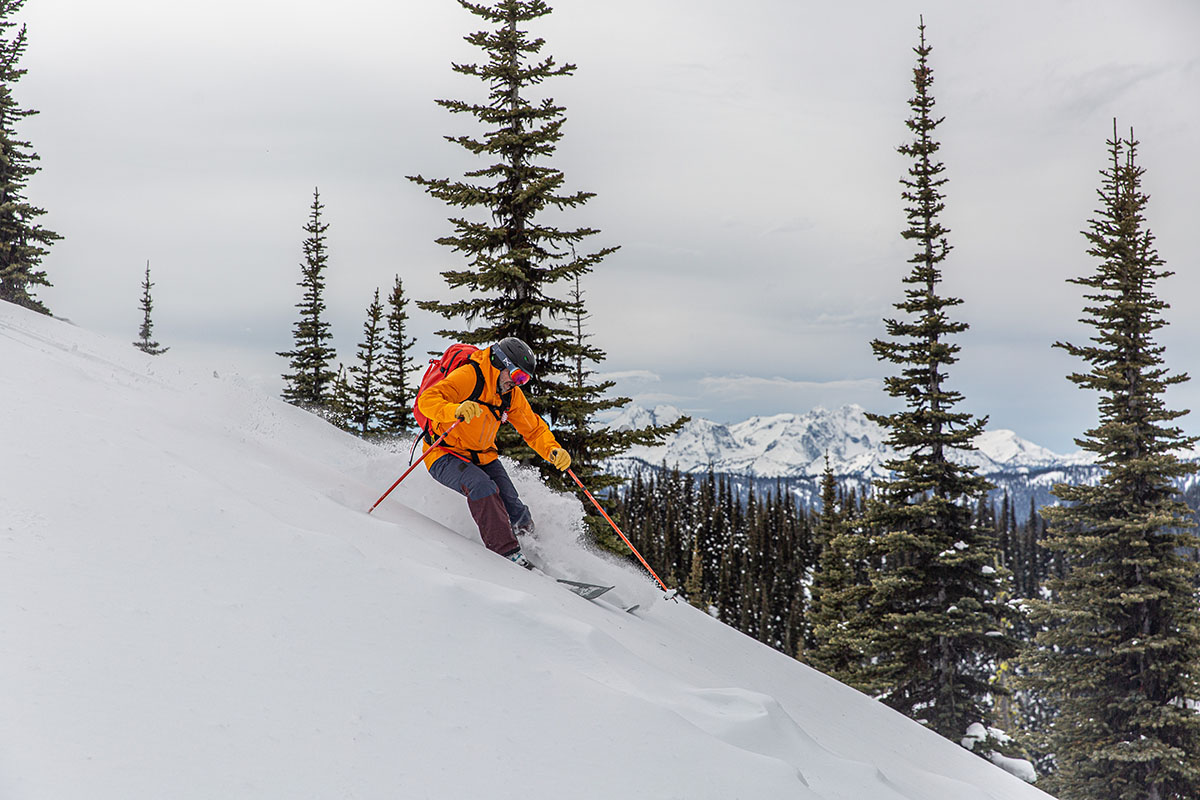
(194, 604)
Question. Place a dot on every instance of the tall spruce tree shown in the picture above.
(1119, 644)
(397, 367)
(145, 341)
(933, 641)
(364, 384)
(23, 241)
(516, 258)
(310, 381)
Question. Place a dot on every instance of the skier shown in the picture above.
(482, 394)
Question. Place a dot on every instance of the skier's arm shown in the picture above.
(440, 401)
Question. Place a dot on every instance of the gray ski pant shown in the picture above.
(495, 505)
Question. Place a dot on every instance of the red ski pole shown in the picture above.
(618, 530)
(414, 466)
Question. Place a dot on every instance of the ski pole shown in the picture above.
(618, 530)
(414, 466)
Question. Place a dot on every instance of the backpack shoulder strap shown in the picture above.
(505, 400)
(477, 392)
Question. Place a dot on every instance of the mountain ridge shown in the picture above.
(792, 445)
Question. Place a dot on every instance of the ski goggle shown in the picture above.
(519, 376)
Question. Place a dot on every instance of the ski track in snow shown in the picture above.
(194, 603)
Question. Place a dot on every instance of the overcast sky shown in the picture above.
(743, 155)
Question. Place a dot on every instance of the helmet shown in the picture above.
(516, 352)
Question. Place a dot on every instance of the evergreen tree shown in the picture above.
(1119, 645)
(839, 593)
(364, 389)
(792, 560)
(23, 242)
(711, 535)
(338, 409)
(747, 564)
(145, 341)
(752, 553)
(397, 368)
(934, 587)
(310, 383)
(516, 257)
(693, 588)
(1031, 711)
(732, 555)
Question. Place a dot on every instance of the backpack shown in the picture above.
(455, 356)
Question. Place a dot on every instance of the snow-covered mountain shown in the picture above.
(194, 603)
(795, 445)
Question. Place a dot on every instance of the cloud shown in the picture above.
(757, 210)
(1096, 91)
(743, 386)
(631, 376)
(794, 225)
(661, 398)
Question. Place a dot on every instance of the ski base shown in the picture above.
(588, 591)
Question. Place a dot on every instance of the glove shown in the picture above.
(468, 410)
(560, 458)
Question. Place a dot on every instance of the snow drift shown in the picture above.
(194, 604)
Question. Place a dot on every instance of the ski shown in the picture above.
(588, 591)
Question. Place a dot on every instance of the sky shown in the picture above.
(743, 159)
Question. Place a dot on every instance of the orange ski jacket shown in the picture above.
(476, 440)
